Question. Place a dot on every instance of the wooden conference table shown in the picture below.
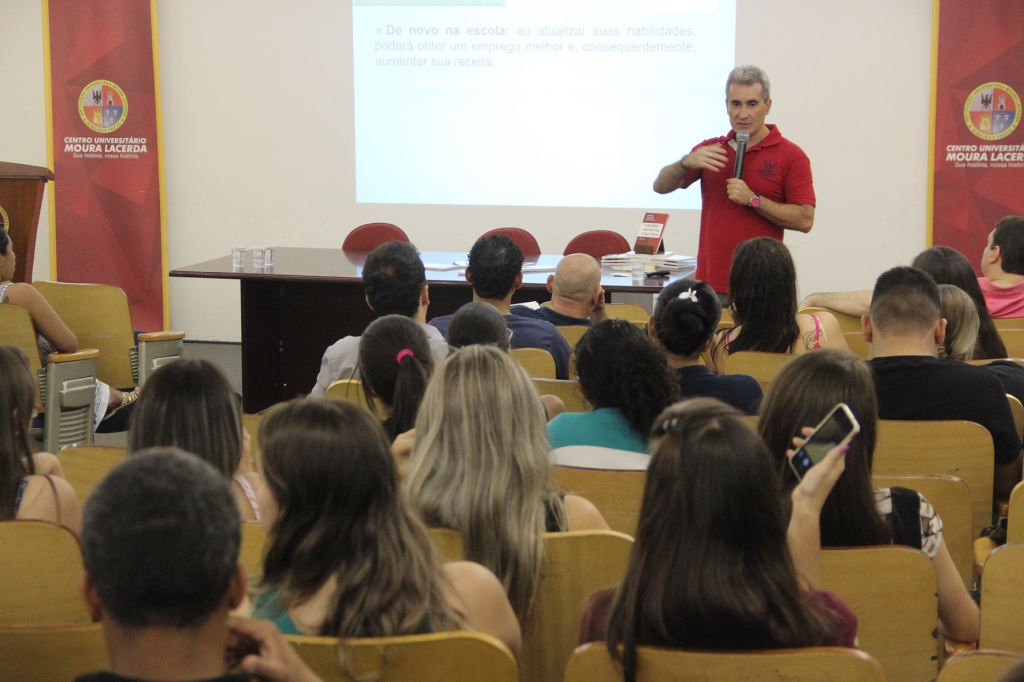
(310, 298)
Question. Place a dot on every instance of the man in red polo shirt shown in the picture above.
(775, 192)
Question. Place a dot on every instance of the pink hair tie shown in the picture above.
(402, 354)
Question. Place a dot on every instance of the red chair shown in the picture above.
(371, 235)
(597, 243)
(523, 239)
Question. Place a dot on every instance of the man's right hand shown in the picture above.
(711, 157)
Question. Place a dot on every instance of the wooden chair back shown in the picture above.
(576, 564)
(98, 315)
(761, 366)
(1017, 408)
(86, 465)
(630, 312)
(16, 329)
(1008, 322)
(568, 390)
(979, 666)
(951, 498)
(57, 653)
(250, 555)
(951, 448)
(1002, 600)
(858, 346)
(593, 663)
(449, 543)
(446, 656)
(893, 592)
(848, 323)
(351, 390)
(41, 564)
(251, 424)
(538, 363)
(1013, 339)
(1015, 515)
(572, 333)
(617, 494)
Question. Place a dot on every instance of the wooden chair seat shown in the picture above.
(630, 312)
(57, 653)
(950, 448)
(86, 465)
(441, 657)
(538, 363)
(979, 666)
(449, 543)
(893, 592)
(351, 390)
(593, 663)
(951, 499)
(576, 564)
(1013, 339)
(762, 366)
(572, 333)
(1002, 600)
(250, 555)
(858, 346)
(40, 565)
(616, 494)
(567, 390)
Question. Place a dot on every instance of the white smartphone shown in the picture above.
(838, 428)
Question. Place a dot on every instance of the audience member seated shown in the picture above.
(855, 514)
(55, 337)
(481, 466)
(190, 404)
(714, 566)
(685, 319)
(762, 286)
(627, 379)
(347, 557)
(905, 330)
(495, 270)
(395, 366)
(961, 336)
(160, 543)
(478, 322)
(1002, 268)
(946, 266)
(576, 293)
(396, 284)
(32, 486)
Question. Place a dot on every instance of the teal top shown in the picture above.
(269, 607)
(606, 427)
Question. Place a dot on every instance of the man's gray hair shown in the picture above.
(748, 74)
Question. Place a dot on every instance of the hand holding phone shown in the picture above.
(836, 429)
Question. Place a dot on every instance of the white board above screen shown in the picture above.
(535, 102)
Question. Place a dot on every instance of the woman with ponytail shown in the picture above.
(684, 323)
(627, 379)
(395, 366)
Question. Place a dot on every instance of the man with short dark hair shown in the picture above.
(395, 283)
(904, 329)
(495, 270)
(577, 297)
(1002, 268)
(160, 541)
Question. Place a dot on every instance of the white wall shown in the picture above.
(258, 137)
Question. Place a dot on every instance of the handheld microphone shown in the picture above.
(742, 138)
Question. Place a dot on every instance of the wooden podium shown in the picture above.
(21, 199)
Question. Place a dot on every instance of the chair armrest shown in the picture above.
(84, 354)
(161, 336)
(983, 547)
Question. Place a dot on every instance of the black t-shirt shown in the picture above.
(921, 388)
(1011, 376)
(111, 677)
(739, 390)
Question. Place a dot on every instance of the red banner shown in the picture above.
(106, 208)
(978, 162)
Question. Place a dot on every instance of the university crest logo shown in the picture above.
(992, 111)
(103, 106)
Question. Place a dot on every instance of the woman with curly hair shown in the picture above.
(627, 379)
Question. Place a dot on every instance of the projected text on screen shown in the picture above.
(535, 102)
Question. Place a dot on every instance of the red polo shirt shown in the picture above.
(776, 169)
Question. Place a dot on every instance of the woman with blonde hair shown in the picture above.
(481, 466)
(346, 556)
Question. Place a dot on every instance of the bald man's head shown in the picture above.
(577, 278)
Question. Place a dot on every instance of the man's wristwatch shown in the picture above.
(755, 201)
